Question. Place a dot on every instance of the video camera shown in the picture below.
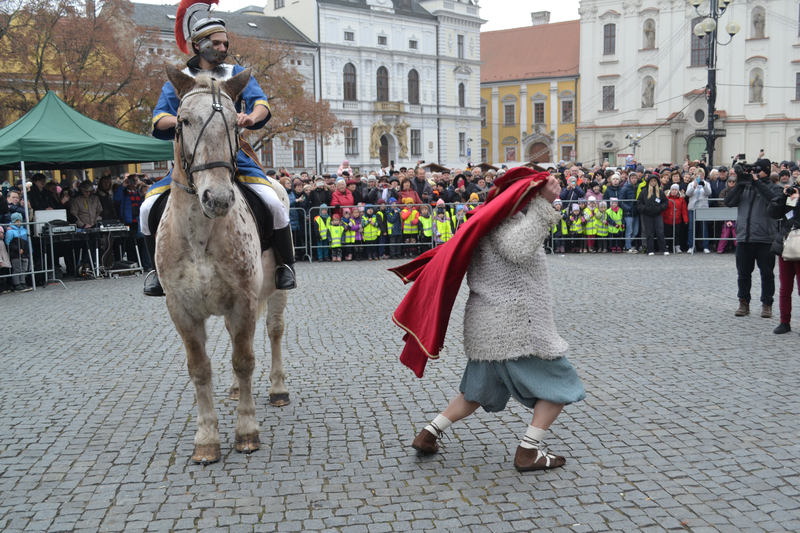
(744, 171)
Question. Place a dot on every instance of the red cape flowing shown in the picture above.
(425, 311)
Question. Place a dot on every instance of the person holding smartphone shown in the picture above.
(698, 192)
(785, 208)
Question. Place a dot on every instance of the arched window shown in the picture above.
(383, 84)
(350, 82)
(413, 87)
(462, 95)
(609, 39)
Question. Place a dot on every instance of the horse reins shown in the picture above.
(188, 164)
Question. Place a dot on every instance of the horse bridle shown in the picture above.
(188, 163)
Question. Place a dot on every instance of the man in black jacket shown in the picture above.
(755, 231)
(39, 198)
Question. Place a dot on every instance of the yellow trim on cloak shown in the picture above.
(157, 190)
(430, 356)
(262, 102)
(258, 180)
(160, 116)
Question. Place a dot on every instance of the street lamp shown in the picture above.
(709, 27)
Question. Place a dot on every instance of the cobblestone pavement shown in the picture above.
(690, 423)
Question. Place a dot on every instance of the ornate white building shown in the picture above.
(405, 73)
(643, 71)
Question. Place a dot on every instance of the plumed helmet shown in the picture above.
(193, 22)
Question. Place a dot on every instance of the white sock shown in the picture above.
(533, 437)
(440, 422)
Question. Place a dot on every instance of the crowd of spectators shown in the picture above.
(87, 205)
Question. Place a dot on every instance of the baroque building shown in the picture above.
(643, 72)
(529, 102)
(405, 73)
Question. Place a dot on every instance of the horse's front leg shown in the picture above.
(193, 333)
(233, 390)
(242, 327)
(278, 393)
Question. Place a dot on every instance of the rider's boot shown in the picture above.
(284, 251)
(153, 286)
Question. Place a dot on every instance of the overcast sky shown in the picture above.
(500, 14)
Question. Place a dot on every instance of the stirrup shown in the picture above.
(285, 278)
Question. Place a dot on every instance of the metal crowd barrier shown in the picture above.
(39, 243)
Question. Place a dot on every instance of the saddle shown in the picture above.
(260, 211)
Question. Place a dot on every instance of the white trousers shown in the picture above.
(280, 215)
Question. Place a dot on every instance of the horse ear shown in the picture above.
(234, 86)
(182, 83)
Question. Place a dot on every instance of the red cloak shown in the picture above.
(425, 311)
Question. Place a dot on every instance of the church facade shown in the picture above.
(644, 76)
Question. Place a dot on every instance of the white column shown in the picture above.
(523, 113)
(496, 118)
(553, 120)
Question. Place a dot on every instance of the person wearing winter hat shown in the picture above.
(651, 203)
(576, 229)
(336, 231)
(442, 225)
(560, 230)
(394, 229)
(616, 225)
(675, 218)
(349, 239)
(410, 217)
(16, 239)
(322, 234)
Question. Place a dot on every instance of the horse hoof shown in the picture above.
(279, 400)
(206, 453)
(234, 394)
(247, 444)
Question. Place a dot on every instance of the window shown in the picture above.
(416, 142)
(382, 40)
(351, 141)
(298, 152)
(349, 79)
(484, 155)
(566, 112)
(609, 39)
(413, 87)
(413, 45)
(511, 153)
(383, 84)
(509, 115)
(608, 98)
(266, 154)
(278, 4)
(161, 165)
(565, 151)
(700, 47)
(462, 95)
(460, 48)
(538, 113)
(797, 86)
(483, 116)
(462, 144)
(350, 36)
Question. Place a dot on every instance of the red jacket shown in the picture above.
(341, 199)
(676, 205)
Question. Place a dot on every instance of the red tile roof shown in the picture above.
(544, 51)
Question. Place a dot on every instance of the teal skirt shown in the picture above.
(527, 379)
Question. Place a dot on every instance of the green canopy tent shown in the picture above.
(52, 136)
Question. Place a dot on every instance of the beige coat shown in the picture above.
(86, 210)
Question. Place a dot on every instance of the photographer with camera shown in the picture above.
(784, 207)
(755, 231)
(698, 192)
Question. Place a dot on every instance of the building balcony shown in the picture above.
(389, 107)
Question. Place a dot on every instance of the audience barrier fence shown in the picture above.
(37, 255)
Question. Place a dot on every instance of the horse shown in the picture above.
(209, 257)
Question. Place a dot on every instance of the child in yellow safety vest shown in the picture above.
(590, 223)
(601, 224)
(410, 219)
(370, 225)
(349, 240)
(560, 230)
(442, 225)
(322, 223)
(576, 231)
(616, 226)
(336, 231)
(426, 228)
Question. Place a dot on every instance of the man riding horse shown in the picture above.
(209, 41)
